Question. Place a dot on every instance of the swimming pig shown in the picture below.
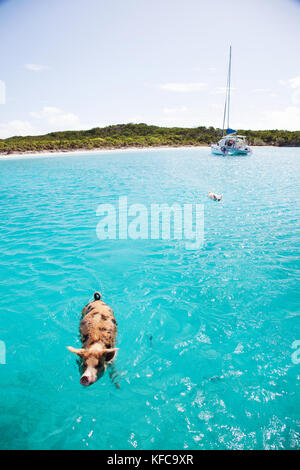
(98, 330)
(215, 197)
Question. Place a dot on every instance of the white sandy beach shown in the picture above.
(21, 155)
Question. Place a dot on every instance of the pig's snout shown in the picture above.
(89, 376)
(85, 380)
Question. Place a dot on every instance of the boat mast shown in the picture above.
(227, 95)
(229, 83)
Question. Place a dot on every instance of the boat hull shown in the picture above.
(216, 150)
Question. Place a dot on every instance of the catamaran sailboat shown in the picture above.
(231, 143)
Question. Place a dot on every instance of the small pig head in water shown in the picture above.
(98, 331)
(215, 197)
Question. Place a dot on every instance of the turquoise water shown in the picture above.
(205, 336)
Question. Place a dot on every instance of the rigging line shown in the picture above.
(225, 108)
(226, 98)
(229, 84)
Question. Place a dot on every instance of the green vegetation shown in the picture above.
(139, 135)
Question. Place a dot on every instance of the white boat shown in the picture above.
(231, 143)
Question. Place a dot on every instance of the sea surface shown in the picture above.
(205, 335)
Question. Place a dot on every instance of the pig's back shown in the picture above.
(98, 325)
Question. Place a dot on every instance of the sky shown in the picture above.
(73, 64)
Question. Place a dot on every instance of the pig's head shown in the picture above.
(93, 362)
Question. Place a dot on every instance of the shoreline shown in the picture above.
(49, 153)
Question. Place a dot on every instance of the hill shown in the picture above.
(139, 135)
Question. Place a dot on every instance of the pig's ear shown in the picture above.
(79, 352)
(110, 354)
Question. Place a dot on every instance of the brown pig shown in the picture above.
(98, 330)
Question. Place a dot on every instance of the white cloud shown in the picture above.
(296, 96)
(49, 119)
(219, 107)
(288, 118)
(294, 84)
(175, 110)
(183, 87)
(180, 121)
(220, 90)
(58, 119)
(182, 116)
(36, 67)
(261, 90)
(16, 127)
